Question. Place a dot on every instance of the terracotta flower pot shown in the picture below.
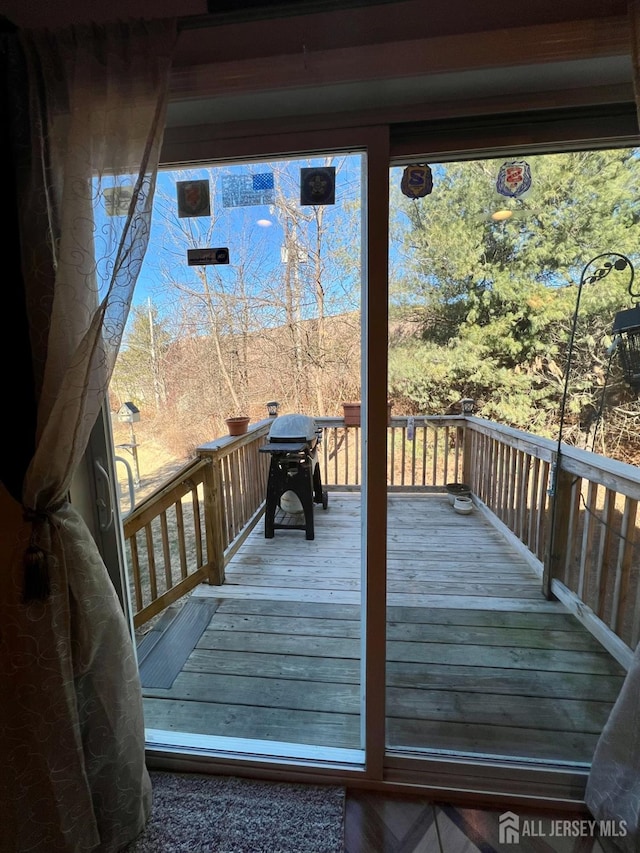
(238, 425)
(352, 414)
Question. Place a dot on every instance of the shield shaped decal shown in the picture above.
(417, 181)
(514, 179)
(193, 198)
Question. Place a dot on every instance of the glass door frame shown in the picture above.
(187, 755)
(503, 780)
(496, 780)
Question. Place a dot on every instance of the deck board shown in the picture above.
(478, 661)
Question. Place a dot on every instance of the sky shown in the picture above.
(239, 217)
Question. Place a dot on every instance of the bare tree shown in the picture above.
(256, 328)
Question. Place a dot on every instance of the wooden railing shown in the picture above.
(186, 532)
(192, 526)
(430, 458)
(584, 537)
(236, 493)
(167, 530)
(595, 551)
(509, 472)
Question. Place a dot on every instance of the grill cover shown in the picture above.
(293, 428)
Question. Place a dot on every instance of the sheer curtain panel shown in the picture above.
(85, 110)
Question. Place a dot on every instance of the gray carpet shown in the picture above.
(194, 813)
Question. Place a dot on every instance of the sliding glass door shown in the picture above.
(244, 552)
(484, 256)
(405, 639)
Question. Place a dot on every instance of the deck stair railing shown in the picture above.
(186, 532)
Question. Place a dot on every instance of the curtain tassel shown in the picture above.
(37, 586)
(37, 583)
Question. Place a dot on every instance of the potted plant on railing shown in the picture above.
(238, 424)
(352, 413)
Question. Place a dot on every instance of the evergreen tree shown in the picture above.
(140, 370)
(493, 299)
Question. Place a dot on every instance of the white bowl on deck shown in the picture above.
(463, 505)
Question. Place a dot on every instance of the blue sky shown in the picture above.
(253, 230)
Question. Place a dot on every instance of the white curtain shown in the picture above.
(72, 730)
(613, 787)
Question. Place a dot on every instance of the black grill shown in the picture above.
(293, 445)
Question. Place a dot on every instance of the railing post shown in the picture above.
(213, 501)
(560, 515)
(467, 464)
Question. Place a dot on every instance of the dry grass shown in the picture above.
(156, 462)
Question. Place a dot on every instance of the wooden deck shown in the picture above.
(478, 661)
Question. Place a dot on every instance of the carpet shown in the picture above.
(197, 813)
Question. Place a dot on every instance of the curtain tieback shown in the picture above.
(37, 560)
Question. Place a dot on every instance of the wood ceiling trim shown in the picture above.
(472, 51)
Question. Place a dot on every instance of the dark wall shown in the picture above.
(15, 349)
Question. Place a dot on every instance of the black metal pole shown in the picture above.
(621, 262)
